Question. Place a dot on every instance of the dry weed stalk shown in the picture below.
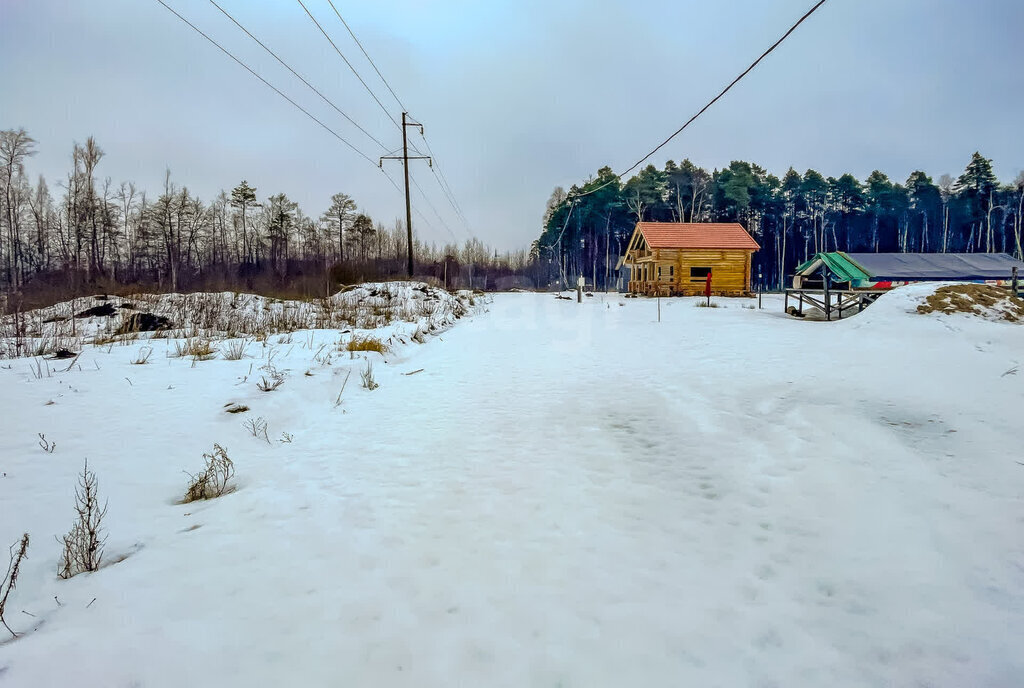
(235, 349)
(258, 428)
(213, 480)
(10, 579)
(367, 376)
(275, 381)
(142, 357)
(48, 447)
(83, 544)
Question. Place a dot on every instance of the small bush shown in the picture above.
(213, 480)
(705, 304)
(83, 544)
(366, 343)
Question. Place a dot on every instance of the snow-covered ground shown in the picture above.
(565, 495)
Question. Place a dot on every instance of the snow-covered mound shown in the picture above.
(102, 318)
(983, 300)
(960, 300)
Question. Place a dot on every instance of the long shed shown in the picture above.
(840, 281)
(887, 270)
(676, 257)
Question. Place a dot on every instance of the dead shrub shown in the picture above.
(142, 357)
(83, 544)
(213, 480)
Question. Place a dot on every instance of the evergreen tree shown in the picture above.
(975, 188)
(243, 197)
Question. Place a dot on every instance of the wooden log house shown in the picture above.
(674, 258)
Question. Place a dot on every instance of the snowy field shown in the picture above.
(564, 495)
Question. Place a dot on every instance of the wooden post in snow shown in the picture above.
(828, 296)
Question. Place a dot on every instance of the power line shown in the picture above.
(440, 219)
(276, 90)
(368, 58)
(342, 56)
(414, 208)
(331, 103)
(445, 186)
(267, 83)
(292, 102)
(374, 96)
(299, 76)
(442, 180)
(714, 100)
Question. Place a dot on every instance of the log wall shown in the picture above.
(730, 271)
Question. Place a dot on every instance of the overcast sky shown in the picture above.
(517, 97)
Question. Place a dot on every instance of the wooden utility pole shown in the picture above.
(405, 158)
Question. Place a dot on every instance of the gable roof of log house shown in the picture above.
(694, 235)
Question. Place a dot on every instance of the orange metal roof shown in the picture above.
(713, 235)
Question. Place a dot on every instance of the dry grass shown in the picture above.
(367, 377)
(196, 348)
(210, 317)
(142, 357)
(974, 299)
(277, 379)
(234, 350)
(366, 343)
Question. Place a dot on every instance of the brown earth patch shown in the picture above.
(974, 299)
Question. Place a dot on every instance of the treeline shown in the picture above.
(98, 236)
(793, 217)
